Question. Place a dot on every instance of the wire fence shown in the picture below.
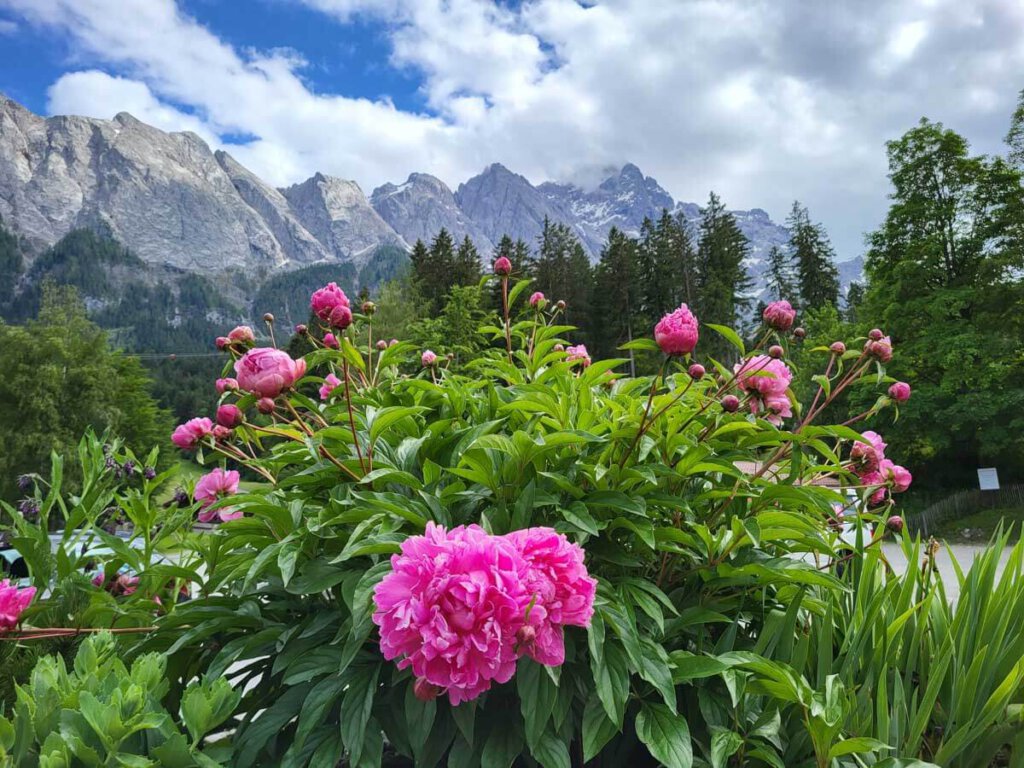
(962, 504)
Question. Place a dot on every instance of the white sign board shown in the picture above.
(988, 479)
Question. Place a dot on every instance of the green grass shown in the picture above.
(982, 525)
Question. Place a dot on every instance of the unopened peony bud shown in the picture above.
(301, 329)
(880, 349)
(243, 334)
(330, 340)
(222, 433)
(900, 391)
(799, 332)
(730, 403)
(875, 334)
(537, 300)
(559, 347)
(428, 358)
(392, 342)
(895, 524)
(696, 371)
(450, 356)
(560, 305)
(382, 345)
(502, 266)
(425, 691)
(265, 405)
(779, 315)
(222, 342)
(229, 415)
(268, 318)
(838, 348)
(776, 351)
(368, 307)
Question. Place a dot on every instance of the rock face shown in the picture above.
(504, 203)
(338, 215)
(422, 207)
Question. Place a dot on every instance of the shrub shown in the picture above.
(696, 498)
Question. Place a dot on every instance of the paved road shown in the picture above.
(964, 553)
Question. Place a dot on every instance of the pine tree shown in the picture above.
(781, 280)
(723, 285)
(618, 282)
(817, 275)
(434, 269)
(563, 272)
(854, 298)
(667, 268)
(1015, 138)
(466, 267)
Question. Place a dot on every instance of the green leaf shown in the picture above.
(536, 698)
(504, 743)
(724, 744)
(550, 751)
(356, 708)
(419, 718)
(642, 345)
(666, 736)
(858, 744)
(611, 680)
(729, 335)
(598, 729)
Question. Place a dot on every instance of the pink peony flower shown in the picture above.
(881, 349)
(868, 456)
(329, 385)
(676, 333)
(331, 341)
(222, 433)
(212, 486)
(188, 435)
(900, 392)
(767, 379)
(561, 592)
(268, 372)
(229, 415)
(898, 477)
(577, 354)
(226, 385)
(428, 358)
(222, 342)
(779, 315)
(242, 334)
(331, 305)
(502, 266)
(13, 602)
(536, 298)
(451, 607)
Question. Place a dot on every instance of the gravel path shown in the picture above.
(964, 553)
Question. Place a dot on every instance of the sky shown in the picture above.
(763, 101)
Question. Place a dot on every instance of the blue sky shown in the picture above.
(764, 102)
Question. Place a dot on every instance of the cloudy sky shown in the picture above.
(763, 101)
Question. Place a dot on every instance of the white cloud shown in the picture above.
(762, 102)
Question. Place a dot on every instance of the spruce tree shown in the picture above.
(723, 285)
(563, 272)
(466, 267)
(618, 282)
(434, 269)
(781, 277)
(817, 276)
(666, 266)
(1015, 138)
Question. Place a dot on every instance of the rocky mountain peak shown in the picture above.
(421, 207)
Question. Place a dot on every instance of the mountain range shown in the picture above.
(175, 203)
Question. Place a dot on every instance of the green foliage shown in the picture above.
(12, 265)
(60, 378)
(817, 276)
(286, 295)
(945, 283)
(562, 272)
(456, 329)
(102, 712)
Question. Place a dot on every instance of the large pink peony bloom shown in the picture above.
(187, 436)
(13, 602)
(898, 477)
(331, 305)
(268, 372)
(451, 608)
(779, 315)
(868, 456)
(676, 333)
(212, 486)
(561, 591)
(767, 379)
(577, 354)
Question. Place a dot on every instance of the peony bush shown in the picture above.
(541, 560)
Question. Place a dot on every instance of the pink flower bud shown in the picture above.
(392, 342)
(880, 349)
(428, 358)
(537, 299)
(301, 329)
(895, 524)
(382, 345)
(526, 635)
(560, 305)
(559, 347)
(875, 334)
(502, 266)
(330, 340)
(265, 405)
(268, 318)
(730, 403)
(799, 333)
(368, 307)
(776, 351)
(222, 342)
(696, 371)
(229, 415)
(425, 691)
(242, 334)
(226, 385)
(222, 433)
(327, 304)
(900, 392)
(838, 348)
(779, 315)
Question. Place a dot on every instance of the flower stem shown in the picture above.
(504, 311)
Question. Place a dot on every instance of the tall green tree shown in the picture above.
(618, 282)
(1015, 137)
(667, 265)
(434, 269)
(781, 275)
(466, 264)
(945, 282)
(563, 272)
(817, 275)
(60, 377)
(723, 285)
